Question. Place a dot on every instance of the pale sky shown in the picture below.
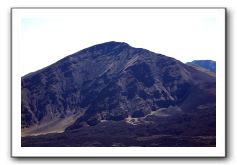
(44, 36)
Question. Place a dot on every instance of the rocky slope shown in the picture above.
(113, 86)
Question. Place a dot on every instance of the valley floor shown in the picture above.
(184, 130)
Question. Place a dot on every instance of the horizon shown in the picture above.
(118, 43)
(44, 36)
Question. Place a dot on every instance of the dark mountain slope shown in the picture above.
(114, 82)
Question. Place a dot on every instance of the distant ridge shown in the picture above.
(207, 64)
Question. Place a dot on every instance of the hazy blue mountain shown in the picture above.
(112, 94)
(207, 64)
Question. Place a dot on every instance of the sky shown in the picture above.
(44, 36)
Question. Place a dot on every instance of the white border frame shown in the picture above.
(18, 151)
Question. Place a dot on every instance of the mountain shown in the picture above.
(207, 64)
(112, 94)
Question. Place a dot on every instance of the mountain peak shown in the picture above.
(114, 43)
(107, 46)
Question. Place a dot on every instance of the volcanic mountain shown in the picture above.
(112, 94)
